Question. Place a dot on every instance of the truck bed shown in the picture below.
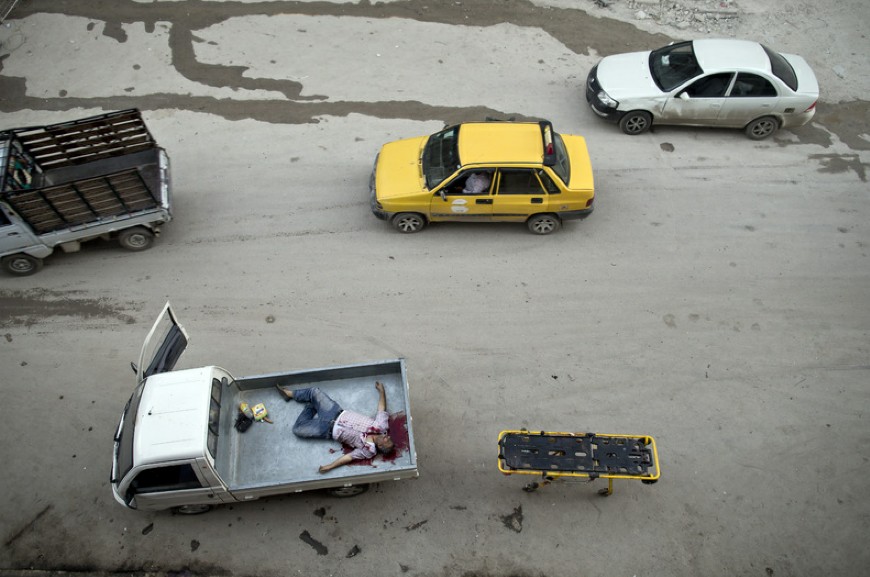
(72, 196)
(268, 458)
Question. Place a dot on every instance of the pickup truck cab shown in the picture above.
(176, 446)
(484, 172)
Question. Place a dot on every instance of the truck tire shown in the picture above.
(136, 238)
(191, 509)
(351, 491)
(21, 264)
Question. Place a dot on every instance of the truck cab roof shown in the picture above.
(172, 418)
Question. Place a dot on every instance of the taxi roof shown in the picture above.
(500, 143)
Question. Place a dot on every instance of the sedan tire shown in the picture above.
(635, 122)
(761, 128)
(408, 222)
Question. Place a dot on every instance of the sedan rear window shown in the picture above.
(673, 65)
(781, 68)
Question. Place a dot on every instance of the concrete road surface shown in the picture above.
(718, 299)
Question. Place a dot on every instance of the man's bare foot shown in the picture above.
(288, 395)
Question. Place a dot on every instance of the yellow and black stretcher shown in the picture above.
(572, 456)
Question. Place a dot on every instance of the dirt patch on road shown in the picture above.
(27, 308)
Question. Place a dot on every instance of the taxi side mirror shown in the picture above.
(443, 195)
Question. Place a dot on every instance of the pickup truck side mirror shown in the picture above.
(134, 367)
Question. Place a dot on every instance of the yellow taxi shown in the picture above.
(484, 172)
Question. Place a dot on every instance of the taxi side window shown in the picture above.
(548, 183)
(519, 181)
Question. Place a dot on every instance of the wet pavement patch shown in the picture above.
(514, 521)
(315, 544)
(27, 308)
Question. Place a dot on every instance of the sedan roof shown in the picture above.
(729, 54)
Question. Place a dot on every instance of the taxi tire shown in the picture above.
(544, 223)
(408, 222)
(636, 122)
(761, 128)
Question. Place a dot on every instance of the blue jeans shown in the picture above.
(318, 417)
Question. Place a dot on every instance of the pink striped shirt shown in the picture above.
(352, 428)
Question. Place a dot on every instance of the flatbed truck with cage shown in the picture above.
(64, 184)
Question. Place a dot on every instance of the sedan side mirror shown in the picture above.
(684, 96)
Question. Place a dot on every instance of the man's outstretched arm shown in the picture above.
(343, 460)
(382, 396)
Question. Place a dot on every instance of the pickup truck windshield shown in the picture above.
(124, 435)
(440, 156)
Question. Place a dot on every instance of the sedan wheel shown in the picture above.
(408, 222)
(761, 128)
(544, 223)
(636, 122)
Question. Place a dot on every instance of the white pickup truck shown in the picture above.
(176, 446)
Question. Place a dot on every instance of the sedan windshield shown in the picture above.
(441, 156)
(673, 65)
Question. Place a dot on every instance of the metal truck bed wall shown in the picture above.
(269, 456)
(76, 173)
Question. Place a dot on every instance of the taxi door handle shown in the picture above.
(537, 201)
(483, 201)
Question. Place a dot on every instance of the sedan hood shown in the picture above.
(807, 83)
(627, 76)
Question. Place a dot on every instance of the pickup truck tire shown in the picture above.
(544, 223)
(136, 238)
(21, 264)
(192, 509)
(408, 222)
(351, 491)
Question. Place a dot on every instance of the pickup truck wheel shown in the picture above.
(192, 509)
(21, 264)
(408, 222)
(544, 223)
(136, 238)
(351, 491)
(636, 122)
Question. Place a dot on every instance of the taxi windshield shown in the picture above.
(441, 156)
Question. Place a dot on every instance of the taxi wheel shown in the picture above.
(544, 223)
(408, 222)
(761, 128)
(635, 122)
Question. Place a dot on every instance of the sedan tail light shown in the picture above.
(812, 106)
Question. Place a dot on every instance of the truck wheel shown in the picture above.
(351, 491)
(408, 222)
(21, 264)
(544, 223)
(192, 509)
(136, 238)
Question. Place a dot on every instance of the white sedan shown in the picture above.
(728, 83)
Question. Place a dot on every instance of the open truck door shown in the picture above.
(163, 345)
